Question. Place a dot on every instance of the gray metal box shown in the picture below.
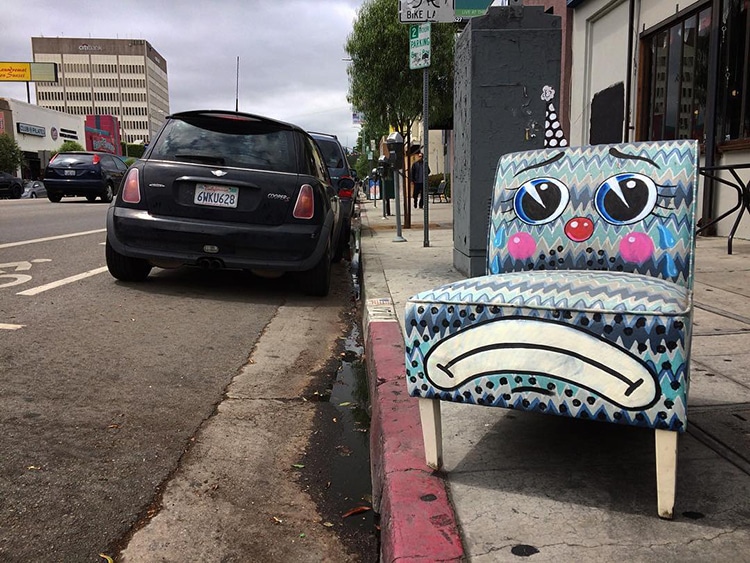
(504, 61)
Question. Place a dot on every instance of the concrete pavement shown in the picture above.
(551, 488)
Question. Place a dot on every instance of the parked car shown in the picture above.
(10, 186)
(343, 179)
(34, 189)
(84, 173)
(223, 189)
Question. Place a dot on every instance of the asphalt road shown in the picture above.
(106, 388)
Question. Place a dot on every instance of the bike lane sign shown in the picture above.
(419, 46)
(414, 11)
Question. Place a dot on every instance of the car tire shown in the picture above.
(108, 194)
(91, 198)
(54, 198)
(125, 268)
(317, 280)
(343, 245)
(16, 191)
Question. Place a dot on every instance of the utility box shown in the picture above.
(507, 76)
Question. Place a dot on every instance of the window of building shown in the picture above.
(676, 65)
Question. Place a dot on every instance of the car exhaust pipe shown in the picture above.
(204, 263)
(216, 264)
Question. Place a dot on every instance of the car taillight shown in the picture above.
(305, 206)
(95, 159)
(346, 187)
(131, 190)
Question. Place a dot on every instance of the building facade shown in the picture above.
(38, 132)
(126, 78)
(660, 69)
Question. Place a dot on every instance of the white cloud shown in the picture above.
(290, 51)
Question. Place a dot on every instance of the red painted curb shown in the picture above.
(417, 520)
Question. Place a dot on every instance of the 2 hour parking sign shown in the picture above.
(419, 46)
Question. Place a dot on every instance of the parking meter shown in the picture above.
(395, 144)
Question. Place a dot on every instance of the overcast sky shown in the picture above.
(290, 51)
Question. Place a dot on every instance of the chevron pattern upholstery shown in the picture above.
(586, 307)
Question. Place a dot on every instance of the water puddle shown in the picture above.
(350, 471)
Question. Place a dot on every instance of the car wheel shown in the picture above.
(91, 198)
(318, 279)
(108, 194)
(16, 191)
(54, 198)
(343, 246)
(125, 268)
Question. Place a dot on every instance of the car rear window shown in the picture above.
(227, 141)
(71, 159)
(331, 153)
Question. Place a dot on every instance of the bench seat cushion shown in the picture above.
(608, 346)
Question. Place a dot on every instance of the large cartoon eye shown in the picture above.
(625, 198)
(540, 200)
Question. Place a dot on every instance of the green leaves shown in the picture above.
(10, 154)
(381, 84)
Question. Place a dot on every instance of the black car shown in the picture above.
(84, 173)
(343, 181)
(223, 189)
(10, 186)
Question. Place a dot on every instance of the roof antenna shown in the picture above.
(237, 89)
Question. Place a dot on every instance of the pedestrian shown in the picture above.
(417, 177)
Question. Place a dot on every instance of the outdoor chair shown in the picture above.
(440, 192)
(586, 307)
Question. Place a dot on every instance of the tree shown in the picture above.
(69, 146)
(382, 86)
(11, 156)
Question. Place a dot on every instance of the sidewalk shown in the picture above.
(556, 489)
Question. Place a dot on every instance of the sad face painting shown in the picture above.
(585, 311)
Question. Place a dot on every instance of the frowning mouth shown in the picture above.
(542, 348)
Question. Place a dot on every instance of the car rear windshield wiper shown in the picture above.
(201, 158)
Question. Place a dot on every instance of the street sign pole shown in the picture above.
(426, 152)
(420, 53)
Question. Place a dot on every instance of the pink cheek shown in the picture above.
(521, 246)
(636, 247)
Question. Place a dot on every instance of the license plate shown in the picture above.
(216, 196)
(70, 172)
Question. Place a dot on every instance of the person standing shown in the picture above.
(417, 177)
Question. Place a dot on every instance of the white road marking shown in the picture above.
(71, 279)
(46, 239)
(4, 326)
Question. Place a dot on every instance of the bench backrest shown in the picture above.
(628, 207)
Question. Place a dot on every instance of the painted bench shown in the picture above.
(586, 307)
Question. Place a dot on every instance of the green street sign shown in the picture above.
(419, 45)
(471, 8)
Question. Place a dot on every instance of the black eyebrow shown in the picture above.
(555, 158)
(617, 154)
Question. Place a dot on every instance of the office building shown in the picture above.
(126, 78)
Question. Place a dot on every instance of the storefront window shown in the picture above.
(733, 71)
(677, 63)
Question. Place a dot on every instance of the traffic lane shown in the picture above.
(101, 393)
(30, 268)
(25, 219)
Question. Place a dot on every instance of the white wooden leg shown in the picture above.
(432, 432)
(666, 471)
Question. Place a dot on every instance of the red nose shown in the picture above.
(579, 229)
